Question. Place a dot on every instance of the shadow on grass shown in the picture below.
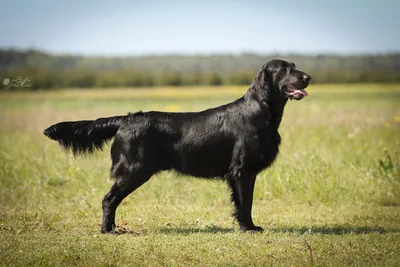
(175, 230)
(324, 230)
(191, 230)
(336, 230)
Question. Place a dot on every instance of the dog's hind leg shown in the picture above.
(242, 188)
(122, 187)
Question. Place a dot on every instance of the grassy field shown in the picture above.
(332, 198)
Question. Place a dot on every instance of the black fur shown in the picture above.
(233, 142)
(85, 136)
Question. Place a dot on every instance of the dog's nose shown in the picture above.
(306, 78)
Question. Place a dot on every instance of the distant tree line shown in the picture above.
(48, 71)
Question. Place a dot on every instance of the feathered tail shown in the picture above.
(85, 136)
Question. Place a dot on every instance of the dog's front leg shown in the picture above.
(242, 188)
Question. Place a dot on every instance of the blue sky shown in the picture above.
(193, 27)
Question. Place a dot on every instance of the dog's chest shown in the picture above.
(268, 148)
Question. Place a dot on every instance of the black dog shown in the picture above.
(234, 141)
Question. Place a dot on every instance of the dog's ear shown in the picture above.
(261, 82)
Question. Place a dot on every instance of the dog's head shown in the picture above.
(282, 79)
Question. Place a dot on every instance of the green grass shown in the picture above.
(332, 198)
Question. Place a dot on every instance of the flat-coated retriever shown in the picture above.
(233, 141)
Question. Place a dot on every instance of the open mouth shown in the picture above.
(296, 94)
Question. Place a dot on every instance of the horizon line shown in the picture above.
(210, 53)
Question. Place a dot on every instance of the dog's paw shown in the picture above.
(257, 229)
(254, 229)
(110, 232)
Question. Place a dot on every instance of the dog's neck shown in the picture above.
(267, 100)
(276, 108)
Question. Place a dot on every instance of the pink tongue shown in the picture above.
(301, 91)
